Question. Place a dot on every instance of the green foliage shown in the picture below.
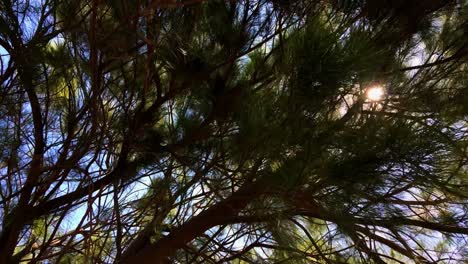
(233, 131)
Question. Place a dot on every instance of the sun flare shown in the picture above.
(375, 93)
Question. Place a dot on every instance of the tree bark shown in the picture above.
(160, 251)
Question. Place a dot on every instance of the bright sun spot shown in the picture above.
(375, 93)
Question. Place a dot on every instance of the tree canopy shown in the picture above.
(222, 131)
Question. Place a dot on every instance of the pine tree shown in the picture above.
(211, 131)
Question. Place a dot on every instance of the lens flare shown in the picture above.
(375, 93)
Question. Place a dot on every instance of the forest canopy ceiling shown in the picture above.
(250, 131)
